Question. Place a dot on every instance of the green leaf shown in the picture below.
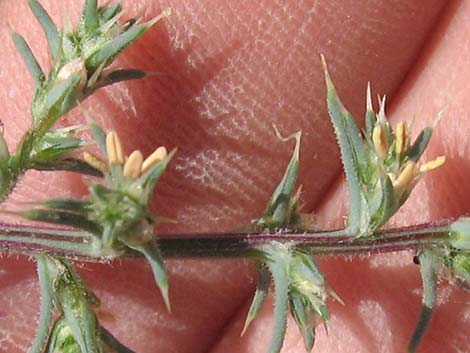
(262, 289)
(51, 148)
(427, 262)
(47, 25)
(370, 118)
(459, 264)
(98, 135)
(153, 256)
(29, 59)
(82, 322)
(120, 76)
(4, 152)
(76, 330)
(78, 206)
(61, 217)
(302, 316)
(90, 16)
(100, 191)
(74, 300)
(278, 213)
(46, 308)
(109, 12)
(107, 52)
(113, 343)
(352, 154)
(278, 264)
(420, 144)
(387, 204)
(61, 339)
(68, 165)
(59, 100)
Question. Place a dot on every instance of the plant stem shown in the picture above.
(31, 240)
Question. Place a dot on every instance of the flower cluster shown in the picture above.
(393, 155)
(299, 287)
(381, 165)
(116, 211)
(80, 56)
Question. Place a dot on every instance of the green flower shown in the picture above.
(116, 211)
(381, 164)
(299, 287)
(80, 57)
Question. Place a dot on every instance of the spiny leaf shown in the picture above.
(73, 300)
(110, 11)
(111, 49)
(78, 206)
(278, 212)
(278, 265)
(153, 256)
(29, 59)
(370, 118)
(427, 262)
(46, 308)
(262, 289)
(121, 75)
(82, 323)
(61, 217)
(301, 314)
(420, 144)
(387, 204)
(98, 134)
(68, 165)
(47, 25)
(341, 121)
(61, 339)
(60, 99)
(90, 16)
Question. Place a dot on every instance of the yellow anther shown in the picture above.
(133, 165)
(114, 149)
(369, 99)
(401, 137)
(95, 162)
(407, 176)
(435, 163)
(158, 155)
(378, 138)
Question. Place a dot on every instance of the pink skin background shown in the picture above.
(227, 71)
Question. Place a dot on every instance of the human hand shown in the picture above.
(230, 70)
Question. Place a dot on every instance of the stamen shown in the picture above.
(95, 162)
(407, 176)
(158, 155)
(379, 141)
(133, 165)
(114, 149)
(369, 98)
(165, 13)
(431, 165)
(401, 137)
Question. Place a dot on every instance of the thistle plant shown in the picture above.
(114, 220)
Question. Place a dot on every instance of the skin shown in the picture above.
(229, 71)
